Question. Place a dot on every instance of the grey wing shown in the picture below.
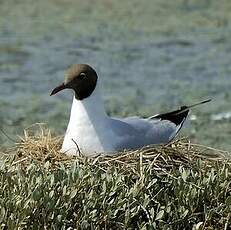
(155, 130)
(135, 132)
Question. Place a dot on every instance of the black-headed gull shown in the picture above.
(91, 130)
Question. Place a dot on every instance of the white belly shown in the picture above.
(87, 139)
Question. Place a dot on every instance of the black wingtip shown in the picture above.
(176, 117)
(179, 116)
(199, 103)
(206, 101)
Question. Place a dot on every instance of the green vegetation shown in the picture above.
(179, 186)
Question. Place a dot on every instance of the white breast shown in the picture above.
(88, 128)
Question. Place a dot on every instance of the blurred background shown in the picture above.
(152, 56)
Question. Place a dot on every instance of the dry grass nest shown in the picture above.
(39, 145)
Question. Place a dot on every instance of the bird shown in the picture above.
(91, 131)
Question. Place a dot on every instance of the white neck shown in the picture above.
(90, 108)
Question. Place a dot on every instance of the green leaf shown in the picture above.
(185, 213)
(152, 213)
(3, 212)
(104, 187)
(51, 194)
(59, 217)
(52, 179)
(36, 194)
(184, 175)
(64, 190)
(228, 201)
(73, 193)
(160, 215)
(152, 183)
(197, 226)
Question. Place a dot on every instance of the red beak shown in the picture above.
(58, 88)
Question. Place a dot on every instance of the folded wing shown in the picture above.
(135, 132)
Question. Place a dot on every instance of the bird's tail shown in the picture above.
(187, 107)
(177, 112)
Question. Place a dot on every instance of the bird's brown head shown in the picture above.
(82, 78)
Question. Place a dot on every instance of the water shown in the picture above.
(144, 68)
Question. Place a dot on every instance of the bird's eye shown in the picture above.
(82, 76)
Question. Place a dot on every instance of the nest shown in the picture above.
(39, 145)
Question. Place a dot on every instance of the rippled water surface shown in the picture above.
(151, 56)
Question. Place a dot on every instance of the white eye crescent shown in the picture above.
(82, 75)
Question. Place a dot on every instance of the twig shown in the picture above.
(77, 147)
(145, 211)
(19, 161)
(141, 167)
(227, 222)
